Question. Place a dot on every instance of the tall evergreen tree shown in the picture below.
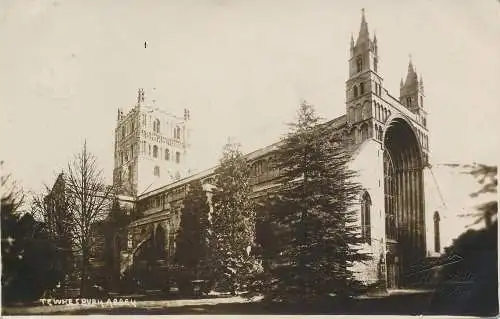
(233, 222)
(311, 240)
(191, 240)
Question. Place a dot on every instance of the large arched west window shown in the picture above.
(366, 204)
(404, 193)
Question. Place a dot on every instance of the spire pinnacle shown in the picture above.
(363, 30)
(410, 65)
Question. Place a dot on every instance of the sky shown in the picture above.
(241, 67)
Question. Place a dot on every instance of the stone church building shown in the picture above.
(388, 142)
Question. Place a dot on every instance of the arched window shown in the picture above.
(167, 154)
(408, 101)
(437, 236)
(390, 196)
(156, 171)
(156, 126)
(358, 113)
(159, 241)
(364, 132)
(375, 64)
(366, 110)
(361, 88)
(155, 151)
(177, 132)
(366, 204)
(177, 157)
(359, 64)
(355, 91)
(351, 114)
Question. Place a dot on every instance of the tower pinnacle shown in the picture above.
(140, 96)
(363, 30)
(410, 65)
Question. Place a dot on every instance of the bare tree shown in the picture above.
(88, 202)
(12, 195)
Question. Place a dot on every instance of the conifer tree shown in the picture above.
(311, 239)
(233, 221)
(191, 240)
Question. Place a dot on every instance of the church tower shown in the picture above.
(151, 147)
(411, 94)
(364, 82)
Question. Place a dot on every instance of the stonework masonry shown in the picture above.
(386, 136)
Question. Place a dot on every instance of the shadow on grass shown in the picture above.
(417, 303)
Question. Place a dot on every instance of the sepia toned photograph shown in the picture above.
(236, 157)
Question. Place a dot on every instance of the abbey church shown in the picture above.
(387, 139)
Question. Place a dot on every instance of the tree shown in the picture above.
(50, 205)
(308, 234)
(232, 230)
(191, 241)
(115, 239)
(476, 252)
(29, 257)
(89, 200)
(486, 176)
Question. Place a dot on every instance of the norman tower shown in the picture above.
(151, 147)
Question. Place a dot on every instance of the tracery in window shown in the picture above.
(366, 204)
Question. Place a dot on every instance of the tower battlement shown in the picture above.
(151, 146)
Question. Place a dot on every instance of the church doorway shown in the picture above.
(392, 272)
